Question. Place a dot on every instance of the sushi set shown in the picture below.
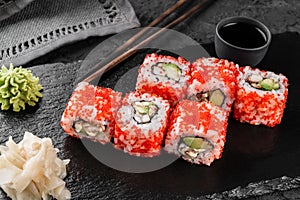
(177, 106)
(255, 154)
(199, 110)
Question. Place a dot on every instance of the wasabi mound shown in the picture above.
(18, 87)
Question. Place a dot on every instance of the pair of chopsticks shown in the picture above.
(99, 68)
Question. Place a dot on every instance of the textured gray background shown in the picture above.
(279, 15)
(43, 26)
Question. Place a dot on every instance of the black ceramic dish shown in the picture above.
(251, 154)
(229, 45)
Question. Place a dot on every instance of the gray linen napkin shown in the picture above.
(10, 7)
(45, 25)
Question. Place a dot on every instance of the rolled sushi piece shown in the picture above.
(197, 132)
(141, 124)
(90, 112)
(213, 80)
(164, 76)
(261, 97)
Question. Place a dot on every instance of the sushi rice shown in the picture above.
(195, 124)
(213, 80)
(90, 113)
(136, 133)
(164, 76)
(261, 97)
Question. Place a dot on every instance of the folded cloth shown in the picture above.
(10, 7)
(45, 25)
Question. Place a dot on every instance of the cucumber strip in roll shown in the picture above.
(261, 97)
(216, 97)
(191, 146)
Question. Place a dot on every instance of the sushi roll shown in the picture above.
(90, 112)
(141, 124)
(213, 80)
(164, 76)
(261, 97)
(197, 132)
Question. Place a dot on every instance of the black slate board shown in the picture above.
(256, 160)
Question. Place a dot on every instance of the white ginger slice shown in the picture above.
(32, 170)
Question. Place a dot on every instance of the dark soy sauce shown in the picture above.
(243, 35)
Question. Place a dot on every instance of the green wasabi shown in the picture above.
(18, 87)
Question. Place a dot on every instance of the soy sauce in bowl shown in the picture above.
(243, 35)
(243, 40)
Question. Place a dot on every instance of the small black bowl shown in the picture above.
(241, 55)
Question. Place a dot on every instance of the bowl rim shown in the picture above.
(250, 20)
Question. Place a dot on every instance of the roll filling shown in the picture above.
(144, 111)
(216, 97)
(190, 147)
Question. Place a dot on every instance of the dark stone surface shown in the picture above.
(101, 182)
(90, 179)
(267, 166)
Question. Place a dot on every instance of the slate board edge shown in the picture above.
(265, 187)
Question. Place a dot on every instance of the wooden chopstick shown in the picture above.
(156, 21)
(136, 36)
(132, 50)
